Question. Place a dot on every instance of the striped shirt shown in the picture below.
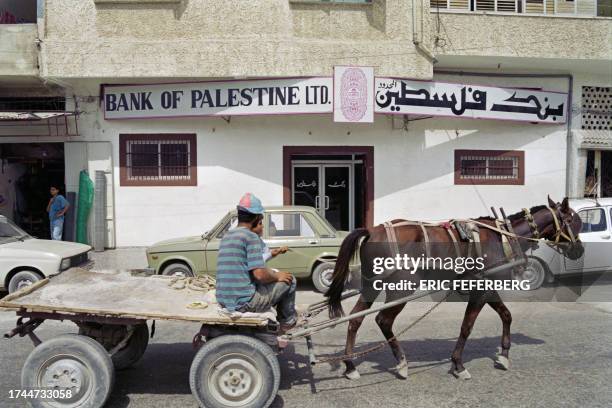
(240, 252)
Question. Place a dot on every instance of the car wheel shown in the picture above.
(109, 336)
(77, 368)
(177, 269)
(235, 371)
(23, 279)
(322, 276)
(534, 273)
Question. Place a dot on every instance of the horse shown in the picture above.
(555, 222)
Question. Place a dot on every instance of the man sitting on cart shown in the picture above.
(244, 283)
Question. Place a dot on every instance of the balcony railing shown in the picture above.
(538, 7)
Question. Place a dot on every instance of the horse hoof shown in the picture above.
(402, 370)
(462, 375)
(352, 375)
(503, 363)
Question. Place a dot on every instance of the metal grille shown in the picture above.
(158, 160)
(489, 168)
(597, 107)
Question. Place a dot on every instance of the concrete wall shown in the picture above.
(18, 52)
(478, 34)
(211, 38)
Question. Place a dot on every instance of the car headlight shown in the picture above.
(65, 264)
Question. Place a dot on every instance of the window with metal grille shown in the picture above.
(597, 107)
(158, 160)
(489, 167)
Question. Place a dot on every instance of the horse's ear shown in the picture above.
(565, 205)
(551, 203)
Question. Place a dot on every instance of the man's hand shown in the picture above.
(277, 251)
(284, 277)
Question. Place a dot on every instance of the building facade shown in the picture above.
(176, 175)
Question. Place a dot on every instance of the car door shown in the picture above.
(596, 237)
(214, 240)
(291, 229)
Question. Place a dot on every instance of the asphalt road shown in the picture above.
(560, 355)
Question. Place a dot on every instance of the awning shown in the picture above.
(594, 139)
(29, 116)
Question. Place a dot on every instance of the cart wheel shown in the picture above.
(110, 335)
(234, 371)
(75, 364)
(322, 276)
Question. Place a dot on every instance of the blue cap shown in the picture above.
(251, 204)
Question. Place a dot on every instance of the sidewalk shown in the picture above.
(120, 258)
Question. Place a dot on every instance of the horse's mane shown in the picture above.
(516, 216)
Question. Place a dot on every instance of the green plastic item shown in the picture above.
(86, 195)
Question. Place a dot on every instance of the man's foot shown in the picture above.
(285, 327)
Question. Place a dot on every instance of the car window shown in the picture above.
(233, 222)
(593, 220)
(288, 225)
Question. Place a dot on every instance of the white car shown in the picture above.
(545, 264)
(25, 260)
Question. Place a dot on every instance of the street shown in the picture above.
(560, 358)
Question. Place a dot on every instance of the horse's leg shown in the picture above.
(351, 371)
(385, 319)
(503, 360)
(474, 306)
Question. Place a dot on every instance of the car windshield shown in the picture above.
(10, 231)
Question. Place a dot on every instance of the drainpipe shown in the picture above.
(570, 92)
(415, 37)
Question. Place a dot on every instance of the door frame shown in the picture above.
(368, 162)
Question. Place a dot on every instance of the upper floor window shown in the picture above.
(597, 107)
(600, 8)
(489, 167)
(158, 160)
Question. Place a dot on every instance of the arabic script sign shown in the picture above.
(257, 97)
(353, 94)
(399, 96)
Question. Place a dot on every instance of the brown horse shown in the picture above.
(556, 222)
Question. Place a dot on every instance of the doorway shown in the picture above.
(336, 181)
(26, 172)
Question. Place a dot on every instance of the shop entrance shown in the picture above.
(336, 183)
(26, 172)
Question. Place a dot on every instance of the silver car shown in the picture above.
(545, 264)
(25, 259)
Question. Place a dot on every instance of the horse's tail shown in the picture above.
(342, 270)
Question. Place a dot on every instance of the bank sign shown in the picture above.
(293, 96)
(228, 98)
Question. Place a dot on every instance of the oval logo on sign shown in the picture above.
(353, 94)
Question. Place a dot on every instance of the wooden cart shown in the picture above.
(235, 366)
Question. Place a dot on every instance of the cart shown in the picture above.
(236, 364)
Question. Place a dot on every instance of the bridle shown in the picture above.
(561, 226)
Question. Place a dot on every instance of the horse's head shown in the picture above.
(562, 226)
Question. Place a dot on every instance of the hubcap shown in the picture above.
(234, 380)
(66, 373)
(327, 277)
(23, 283)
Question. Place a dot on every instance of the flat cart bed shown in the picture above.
(235, 363)
(119, 295)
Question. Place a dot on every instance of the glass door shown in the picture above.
(337, 198)
(328, 187)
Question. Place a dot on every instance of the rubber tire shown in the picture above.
(21, 275)
(88, 351)
(263, 356)
(133, 351)
(538, 269)
(316, 276)
(173, 268)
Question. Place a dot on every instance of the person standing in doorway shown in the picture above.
(57, 207)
